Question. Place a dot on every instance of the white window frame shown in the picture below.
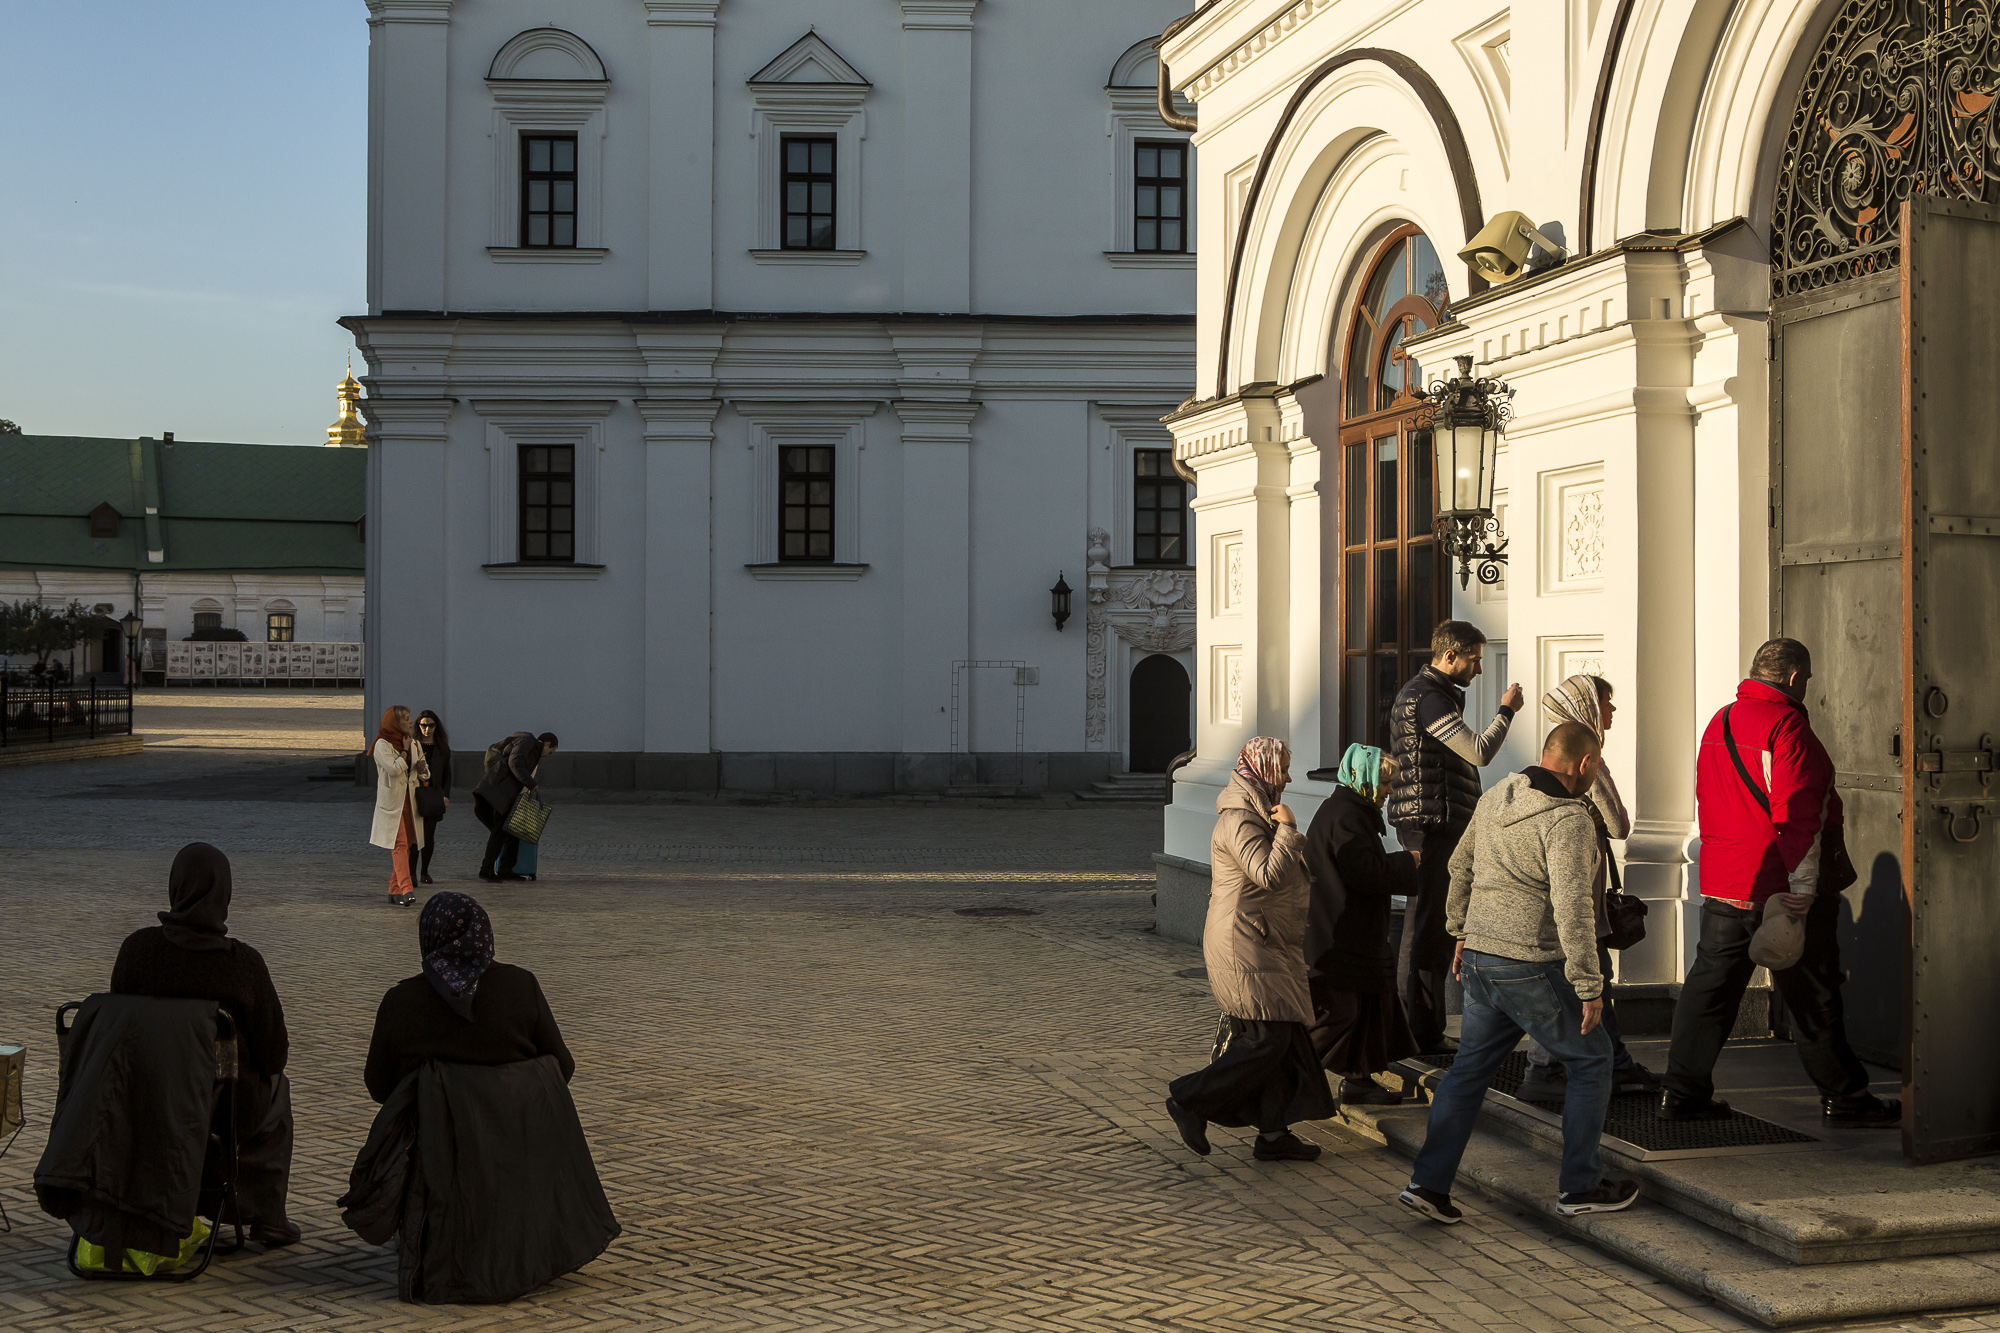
(1135, 115)
(548, 106)
(511, 424)
(840, 426)
(1134, 428)
(782, 105)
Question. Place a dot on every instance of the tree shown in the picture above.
(8, 428)
(38, 629)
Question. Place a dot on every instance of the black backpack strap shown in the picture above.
(1742, 772)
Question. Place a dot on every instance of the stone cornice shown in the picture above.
(681, 13)
(938, 15)
(409, 11)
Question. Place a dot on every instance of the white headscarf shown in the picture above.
(1576, 700)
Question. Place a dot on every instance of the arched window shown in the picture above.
(1392, 592)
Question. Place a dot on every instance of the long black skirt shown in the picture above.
(1359, 1033)
(1263, 1075)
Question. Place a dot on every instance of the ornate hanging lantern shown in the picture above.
(1463, 418)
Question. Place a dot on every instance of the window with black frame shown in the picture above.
(548, 191)
(1159, 197)
(278, 626)
(809, 194)
(1159, 509)
(207, 620)
(548, 502)
(805, 505)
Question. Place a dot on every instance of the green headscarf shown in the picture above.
(1361, 770)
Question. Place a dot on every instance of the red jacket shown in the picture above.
(1747, 855)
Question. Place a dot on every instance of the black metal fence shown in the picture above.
(38, 714)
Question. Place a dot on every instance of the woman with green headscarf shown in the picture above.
(1359, 1027)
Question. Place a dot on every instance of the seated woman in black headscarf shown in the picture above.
(191, 956)
(463, 1007)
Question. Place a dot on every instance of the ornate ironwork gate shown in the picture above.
(1885, 523)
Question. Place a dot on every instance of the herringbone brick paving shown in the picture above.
(819, 1097)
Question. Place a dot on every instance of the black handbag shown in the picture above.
(430, 803)
(1626, 914)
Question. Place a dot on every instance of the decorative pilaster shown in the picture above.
(680, 37)
(680, 446)
(408, 42)
(937, 563)
(937, 155)
(405, 560)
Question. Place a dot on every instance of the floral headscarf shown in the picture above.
(1577, 700)
(457, 940)
(1361, 771)
(1262, 764)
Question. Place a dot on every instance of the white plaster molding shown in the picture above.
(938, 15)
(1484, 48)
(1137, 67)
(1732, 124)
(1133, 428)
(809, 60)
(1229, 686)
(1572, 529)
(681, 13)
(810, 258)
(1146, 259)
(409, 11)
(550, 106)
(838, 425)
(809, 89)
(504, 254)
(538, 572)
(1148, 610)
(511, 423)
(1097, 566)
(1135, 115)
(547, 55)
(1560, 656)
(1226, 569)
(1271, 36)
(802, 572)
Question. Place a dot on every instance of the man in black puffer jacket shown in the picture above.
(1438, 758)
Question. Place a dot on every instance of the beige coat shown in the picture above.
(395, 790)
(1255, 938)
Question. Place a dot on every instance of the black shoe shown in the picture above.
(1681, 1108)
(427, 878)
(1609, 1196)
(1367, 1092)
(1865, 1111)
(1429, 1203)
(1636, 1079)
(1287, 1147)
(1543, 1084)
(274, 1234)
(489, 877)
(1194, 1130)
(401, 899)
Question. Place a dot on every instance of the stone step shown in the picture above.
(1656, 1236)
(1147, 788)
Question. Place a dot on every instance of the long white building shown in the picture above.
(1757, 398)
(743, 378)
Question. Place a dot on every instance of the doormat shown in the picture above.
(1630, 1127)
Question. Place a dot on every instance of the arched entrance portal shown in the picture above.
(1159, 711)
(1392, 592)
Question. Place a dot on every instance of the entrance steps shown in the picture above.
(1843, 1228)
(1132, 788)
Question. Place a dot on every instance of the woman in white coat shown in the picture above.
(399, 771)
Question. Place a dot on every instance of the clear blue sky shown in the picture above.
(183, 211)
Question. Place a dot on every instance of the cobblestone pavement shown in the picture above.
(819, 1096)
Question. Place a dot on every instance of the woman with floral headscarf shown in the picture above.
(1262, 1071)
(1359, 1026)
(463, 1007)
(1587, 699)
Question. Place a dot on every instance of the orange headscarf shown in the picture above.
(389, 731)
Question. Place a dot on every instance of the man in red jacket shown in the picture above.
(1764, 785)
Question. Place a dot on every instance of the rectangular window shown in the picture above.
(808, 194)
(208, 620)
(548, 191)
(278, 627)
(1393, 578)
(548, 502)
(805, 503)
(1159, 197)
(1159, 509)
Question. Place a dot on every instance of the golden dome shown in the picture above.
(347, 428)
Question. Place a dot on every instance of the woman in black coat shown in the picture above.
(190, 956)
(1359, 1027)
(437, 754)
(463, 1007)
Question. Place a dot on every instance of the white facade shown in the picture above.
(1633, 483)
(325, 608)
(982, 350)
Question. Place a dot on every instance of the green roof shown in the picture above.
(272, 508)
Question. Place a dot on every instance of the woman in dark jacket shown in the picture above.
(190, 956)
(463, 1007)
(437, 754)
(1359, 1027)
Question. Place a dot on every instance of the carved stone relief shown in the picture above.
(1582, 532)
(1150, 609)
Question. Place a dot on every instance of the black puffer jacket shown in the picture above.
(1347, 928)
(1435, 788)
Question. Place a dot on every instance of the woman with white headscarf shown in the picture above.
(1587, 699)
(1262, 1071)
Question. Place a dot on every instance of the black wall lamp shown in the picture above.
(1059, 600)
(1463, 419)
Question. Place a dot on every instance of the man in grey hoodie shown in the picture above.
(1521, 908)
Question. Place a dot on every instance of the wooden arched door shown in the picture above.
(1392, 581)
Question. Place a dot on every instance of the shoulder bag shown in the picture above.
(1836, 868)
(528, 818)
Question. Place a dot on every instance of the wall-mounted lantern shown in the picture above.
(1464, 418)
(1059, 600)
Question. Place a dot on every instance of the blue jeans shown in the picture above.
(1503, 999)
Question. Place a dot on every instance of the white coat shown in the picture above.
(395, 791)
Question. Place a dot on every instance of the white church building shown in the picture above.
(745, 380)
(1719, 397)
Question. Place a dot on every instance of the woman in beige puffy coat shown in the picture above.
(1263, 1071)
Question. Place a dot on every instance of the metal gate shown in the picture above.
(1885, 543)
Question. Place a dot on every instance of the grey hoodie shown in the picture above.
(1521, 880)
